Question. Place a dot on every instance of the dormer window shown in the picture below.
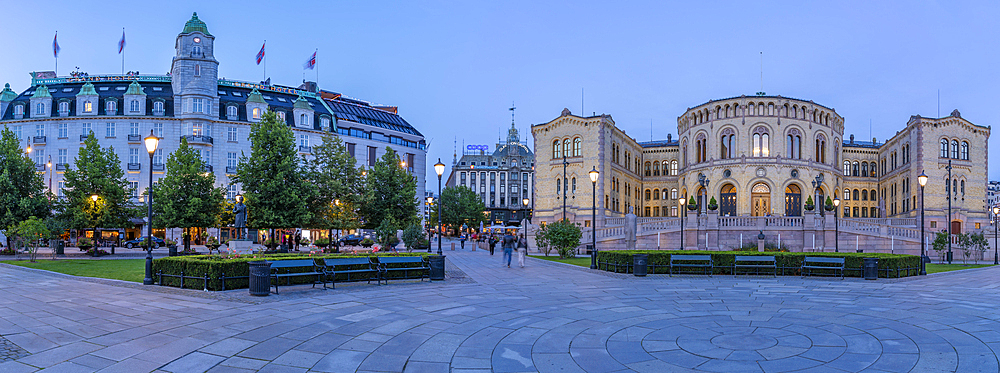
(111, 107)
(302, 120)
(64, 108)
(231, 112)
(88, 107)
(256, 113)
(325, 122)
(133, 106)
(39, 108)
(19, 110)
(281, 116)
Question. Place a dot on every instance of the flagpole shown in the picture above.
(123, 51)
(317, 70)
(265, 63)
(56, 53)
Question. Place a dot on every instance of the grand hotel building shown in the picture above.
(55, 114)
(763, 156)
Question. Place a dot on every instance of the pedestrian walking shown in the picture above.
(522, 248)
(493, 244)
(462, 240)
(509, 242)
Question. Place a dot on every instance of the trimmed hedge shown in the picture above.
(195, 267)
(788, 263)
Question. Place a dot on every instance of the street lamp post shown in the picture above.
(680, 212)
(950, 192)
(439, 169)
(93, 197)
(50, 175)
(565, 183)
(594, 174)
(151, 142)
(836, 223)
(922, 180)
(430, 202)
(996, 213)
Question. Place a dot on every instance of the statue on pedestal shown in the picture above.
(240, 212)
(630, 229)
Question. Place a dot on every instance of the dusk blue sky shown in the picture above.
(453, 68)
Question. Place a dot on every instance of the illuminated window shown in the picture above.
(256, 113)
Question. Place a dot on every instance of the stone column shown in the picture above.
(713, 242)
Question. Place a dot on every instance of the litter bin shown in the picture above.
(639, 267)
(60, 247)
(172, 250)
(260, 278)
(871, 268)
(437, 267)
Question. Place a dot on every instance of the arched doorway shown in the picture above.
(793, 200)
(760, 200)
(727, 203)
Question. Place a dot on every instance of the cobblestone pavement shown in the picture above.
(546, 317)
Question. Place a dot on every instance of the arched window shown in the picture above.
(821, 150)
(576, 146)
(847, 168)
(556, 149)
(673, 194)
(158, 106)
(965, 150)
(864, 169)
(847, 194)
(648, 168)
(673, 168)
(794, 144)
(856, 169)
(302, 120)
(656, 194)
(864, 194)
(872, 169)
(39, 108)
(761, 143)
(656, 168)
(558, 188)
(111, 107)
(566, 149)
(133, 106)
(231, 111)
(963, 188)
(649, 195)
(726, 142)
(954, 149)
(944, 148)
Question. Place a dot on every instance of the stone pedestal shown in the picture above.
(242, 246)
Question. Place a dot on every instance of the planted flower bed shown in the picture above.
(208, 272)
(789, 264)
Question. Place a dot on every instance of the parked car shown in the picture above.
(351, 240)
(138, 242)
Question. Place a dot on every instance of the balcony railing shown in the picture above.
(158, 167)
(61, 166)
(134, 166)
(230, 170)
(40, 167)
(83, 137)
(191, 139)
(134, 138)
(305, 149)
(39, 139)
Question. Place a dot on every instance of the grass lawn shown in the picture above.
(119, 269)
(583, 262)
(935, 268)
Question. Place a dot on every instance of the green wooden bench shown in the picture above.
(404, 264)
(282, 269)
(811, 263)
(755, 262)
(351, 266)
(691, 261)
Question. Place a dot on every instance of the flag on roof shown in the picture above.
(260, 55)
(55, 45)
(121, 43)
(311, 62)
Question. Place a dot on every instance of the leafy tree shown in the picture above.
(542, 239)
(338, 186)
(386, 233)
(412, 236)
(98, 173)
(186, 197)
(22, 192)
(275, 188)
(965, 243)
(829, 204)
(461, 205)
(564, 236)
(389, 191)
(940, 243)
(978, 243)
(31, 230)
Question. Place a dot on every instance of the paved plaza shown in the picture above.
(547, 317)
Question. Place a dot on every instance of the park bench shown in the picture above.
(350, 266)
(283, 269)
(691, 261)
(811, 263)
(756, 262)
(404, 264)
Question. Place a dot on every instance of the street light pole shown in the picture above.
(996, 213)
(680, 212)
(430, 202)
(836, 223)
(565, 183)
(439, 169)
(151, 142)
(950, 191)
(594, 174)
(922, 180)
